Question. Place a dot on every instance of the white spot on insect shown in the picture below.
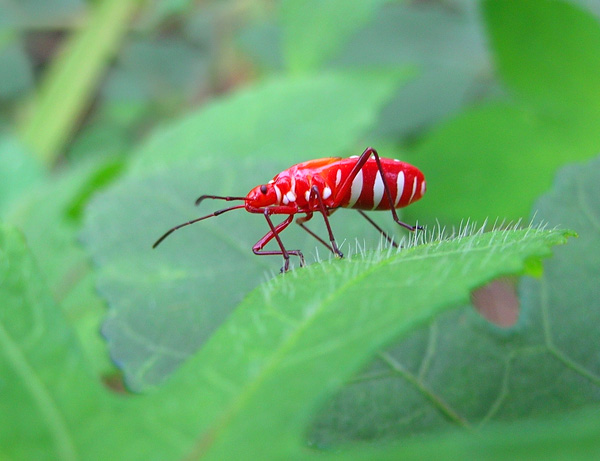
(399, 187)
(338, 177)
(285, 200)
(290, 196)
(307, 195)
(271, 181)
(414, 190)
(278, 192)
(423, 188)
(353, 156)
(378, 190)
(356, 189)
(326, 193)
(396, 160)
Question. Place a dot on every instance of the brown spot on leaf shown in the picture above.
(498, 302)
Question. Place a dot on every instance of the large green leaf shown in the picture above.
(573, 436)
(166, 302)
(245, 133)
(255, 384)
(19, 171)
(566, 301)
(287, 119)
(50, 216)
(46, 388)
(547, 364)
(474, 373)
(298, 338)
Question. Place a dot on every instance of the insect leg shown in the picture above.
(357, 167)
(274, 233)
(300, 221)
(376, 226)
(389, 195)
(314, 192)
(308, 217)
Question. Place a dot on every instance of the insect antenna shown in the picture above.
(173, 229)
(217, 197)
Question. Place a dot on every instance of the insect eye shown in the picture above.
(263, 189)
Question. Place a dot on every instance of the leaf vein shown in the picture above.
(57, 425)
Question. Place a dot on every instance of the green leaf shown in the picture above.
(298, 338)
(19, 171)
(50, 217)
(46, 390)
(72, 78)
(538, 45)
(313, 31)
(254, 385)
(548, 364)
(287, 119)
(166, 302)
(574, 436)
(245, 134)
(566, 297)
(542, 366)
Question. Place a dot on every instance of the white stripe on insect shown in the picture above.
(290, 196)
(338, 177)
(278, 192)
(399, 187)
(326, 193)
(414, 190)
(356, 189)
(378, 190)
(423, 188)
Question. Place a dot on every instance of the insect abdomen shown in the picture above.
(405, 182)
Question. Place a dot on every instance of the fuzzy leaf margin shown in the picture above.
(298, 338)
(256, 383)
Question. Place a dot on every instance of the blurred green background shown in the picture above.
(116, 114)
(492, 106)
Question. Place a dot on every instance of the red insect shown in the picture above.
(323, 186)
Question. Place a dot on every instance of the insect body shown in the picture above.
(365, 182)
